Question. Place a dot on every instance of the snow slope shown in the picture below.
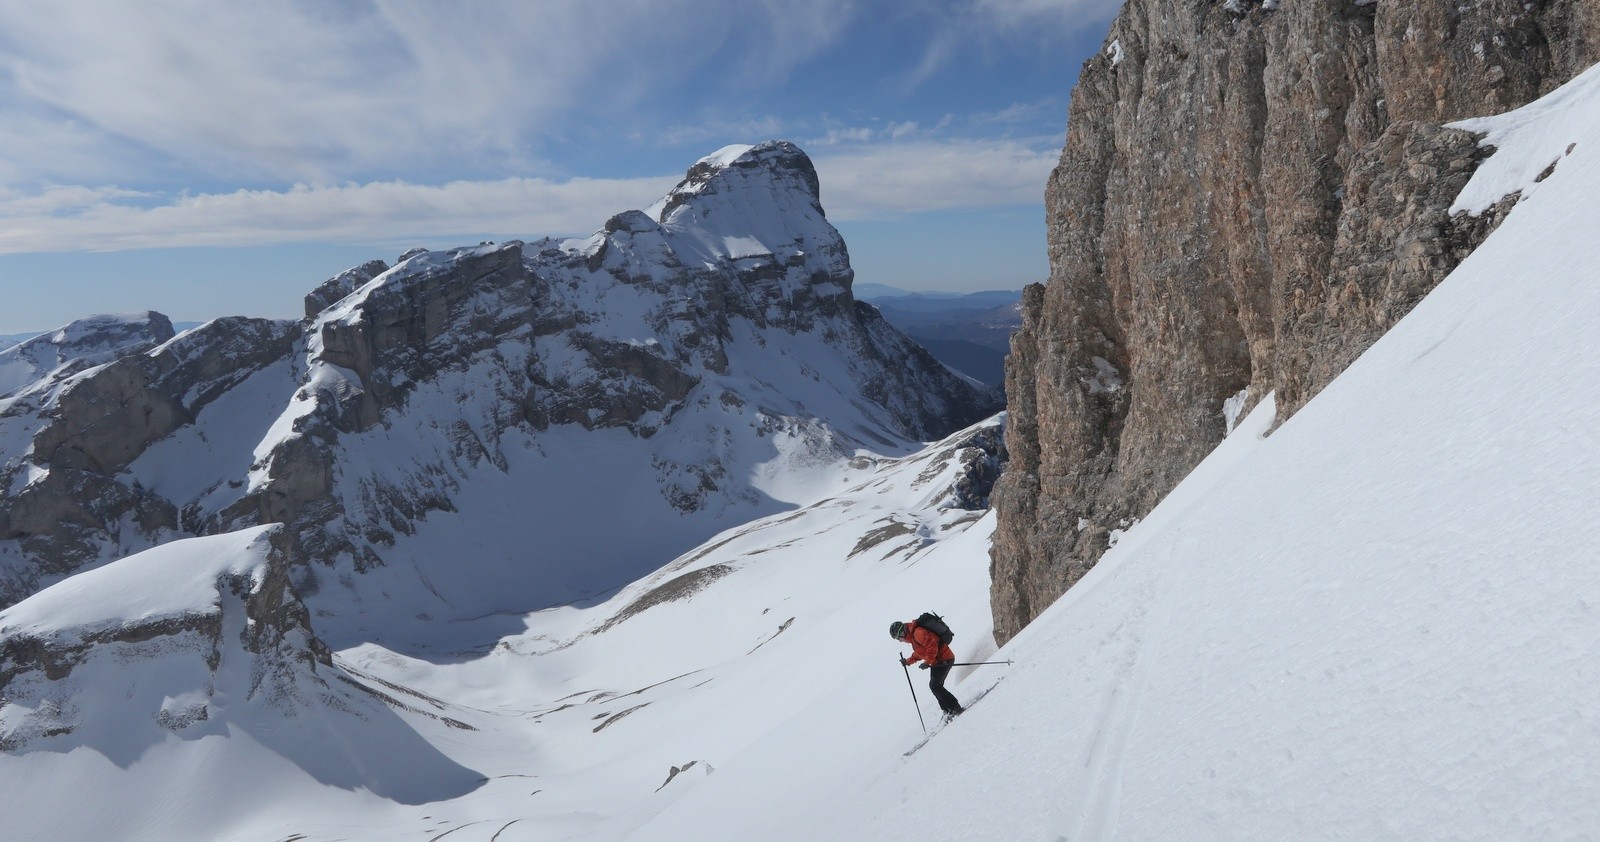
(570, 727)
(159, 692)
(1379, 623)
(49, 357)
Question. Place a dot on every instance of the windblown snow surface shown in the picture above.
(1380, 622)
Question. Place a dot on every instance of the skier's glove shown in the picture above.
(922, 666)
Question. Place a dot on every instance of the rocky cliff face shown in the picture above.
(104, 389)
(1250, 194)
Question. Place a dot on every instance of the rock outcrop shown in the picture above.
(690, 309)
(70, 500)
(1250, 194)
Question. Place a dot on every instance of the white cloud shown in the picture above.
(57, 199)
(863, 182)
(903, 130)
(833, 137)
(749, 130)
(367, 213)
(903, 179)
(193, 98)
(326, 92)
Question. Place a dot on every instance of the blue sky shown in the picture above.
(204, 158)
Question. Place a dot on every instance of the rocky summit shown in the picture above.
(1251, 193)
(693, 364)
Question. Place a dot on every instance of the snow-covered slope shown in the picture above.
(572, 725)
(441, 447)
(191, 668)
(48, 358)
(1378, 623)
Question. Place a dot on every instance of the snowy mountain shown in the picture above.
(39, 362)
(275, 551)
(708, 351)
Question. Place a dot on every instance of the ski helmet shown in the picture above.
(897, 629)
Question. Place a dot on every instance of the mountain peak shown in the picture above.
(732, 171)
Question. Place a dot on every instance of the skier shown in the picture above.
(936, 657)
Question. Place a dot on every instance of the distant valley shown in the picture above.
(969, 332)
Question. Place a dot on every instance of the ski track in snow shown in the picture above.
(1118, 716)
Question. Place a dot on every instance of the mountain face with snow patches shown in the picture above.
(704, 357)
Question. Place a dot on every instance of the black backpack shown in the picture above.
(935, 623)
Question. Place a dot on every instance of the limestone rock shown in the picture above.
(70, 503)
(1249, 195)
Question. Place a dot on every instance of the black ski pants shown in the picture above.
(936, 676)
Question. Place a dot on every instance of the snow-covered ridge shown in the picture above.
(712, 354)
(200, 641)
(163, 583)
(571, 722)
(87, 342)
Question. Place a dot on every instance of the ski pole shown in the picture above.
(973, 664)
(913, 690)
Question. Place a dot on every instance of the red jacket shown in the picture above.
(925, 647)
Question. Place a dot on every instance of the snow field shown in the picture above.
(1378, 623)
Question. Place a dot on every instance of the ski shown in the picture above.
(946, 720)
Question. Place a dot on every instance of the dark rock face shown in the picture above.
(1250, 194)
(983, 461)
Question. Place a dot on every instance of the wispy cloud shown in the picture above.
(1020, 15)
(410, 118)
(980, 26)
(867, 181)
(857, 134)
(367, 213)
(894, 180)
(326, 92)
(747, 130)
